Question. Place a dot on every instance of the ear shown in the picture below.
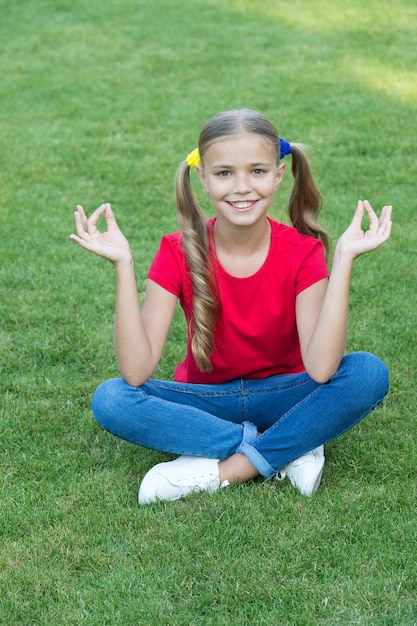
(280, 175)
(202, 177)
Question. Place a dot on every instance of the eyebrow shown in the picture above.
(263, 164)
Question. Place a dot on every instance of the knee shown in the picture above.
(368, 371)
(106, 401)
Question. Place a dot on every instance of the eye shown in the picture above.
(223, 173)
(258, 171)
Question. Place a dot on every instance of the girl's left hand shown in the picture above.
(356, 241)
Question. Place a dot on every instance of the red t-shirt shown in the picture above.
(256, 334)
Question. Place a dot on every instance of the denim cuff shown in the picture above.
(250, 434)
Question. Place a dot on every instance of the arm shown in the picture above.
(139, 336)
(322, 309)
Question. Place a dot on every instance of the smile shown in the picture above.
(243, 206)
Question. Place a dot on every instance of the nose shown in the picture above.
(242, 185)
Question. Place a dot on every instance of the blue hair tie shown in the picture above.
(284, 148)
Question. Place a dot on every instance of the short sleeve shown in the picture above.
(168, 264)
(313, 267)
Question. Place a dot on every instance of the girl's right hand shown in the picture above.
(111, 245)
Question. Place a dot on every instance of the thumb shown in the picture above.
(110, 217)
(359, 213)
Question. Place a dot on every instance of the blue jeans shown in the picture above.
(293, 413)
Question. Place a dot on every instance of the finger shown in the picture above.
(386, 213)
(386, 223)
(385, 218)
(75, 238)
(387, 231)
(80, 210)
(383, 232)
(84, 243)
(82, 214)
(110, 218)
(91, 225)
(372, 216)
(80, 223)
(358, 214)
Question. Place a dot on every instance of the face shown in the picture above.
(241, 177)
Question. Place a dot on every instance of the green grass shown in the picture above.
(100, 102)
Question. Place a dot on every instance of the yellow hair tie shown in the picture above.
(193, 159)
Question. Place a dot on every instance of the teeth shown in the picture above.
(242, 205)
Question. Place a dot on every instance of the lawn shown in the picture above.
(100, 101)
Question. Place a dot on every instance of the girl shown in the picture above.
(264, 383)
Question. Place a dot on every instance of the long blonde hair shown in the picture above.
(303, 208)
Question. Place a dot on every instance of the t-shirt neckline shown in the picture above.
(220, 267)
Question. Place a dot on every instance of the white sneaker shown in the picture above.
(176, 479)
(304, 472)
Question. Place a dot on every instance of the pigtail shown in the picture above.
(305, 201)
(304, 208)
(196, 249)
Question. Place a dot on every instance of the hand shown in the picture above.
(356, 241)
(111, 245)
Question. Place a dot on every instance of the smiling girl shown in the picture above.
(265, 382)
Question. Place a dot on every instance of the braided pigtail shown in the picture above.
(305, 201)
(197, 254)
